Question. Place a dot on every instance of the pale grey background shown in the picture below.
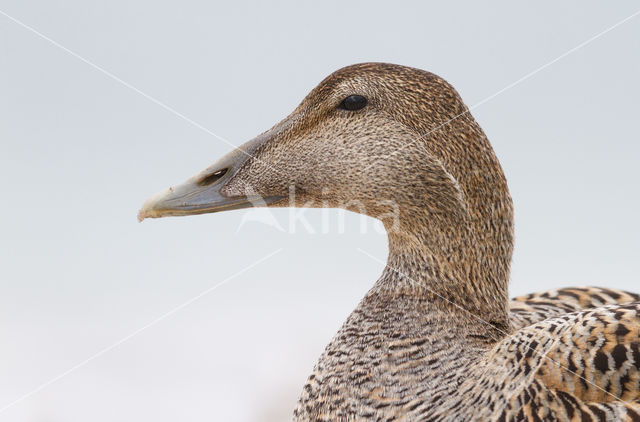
(79, 153)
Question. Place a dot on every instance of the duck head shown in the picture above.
(392, 142)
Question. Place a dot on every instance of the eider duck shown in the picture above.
(436, 338)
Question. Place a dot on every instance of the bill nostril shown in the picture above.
(212, 178)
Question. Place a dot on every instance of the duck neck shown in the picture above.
(427, 270)
(455, 250)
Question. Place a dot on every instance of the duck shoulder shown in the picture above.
(580, 366)
(535, 307)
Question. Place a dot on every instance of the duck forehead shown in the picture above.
(360, 77)
(383, 84)
(335, 90)
(381, 76)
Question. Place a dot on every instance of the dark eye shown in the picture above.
(353, 102)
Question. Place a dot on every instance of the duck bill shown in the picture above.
(202, 193)
(189, 198)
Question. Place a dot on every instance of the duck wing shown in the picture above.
(535, 307)
(579, 366)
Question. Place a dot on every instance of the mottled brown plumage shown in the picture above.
(436, 338)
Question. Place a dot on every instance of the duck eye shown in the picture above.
(353, 102)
